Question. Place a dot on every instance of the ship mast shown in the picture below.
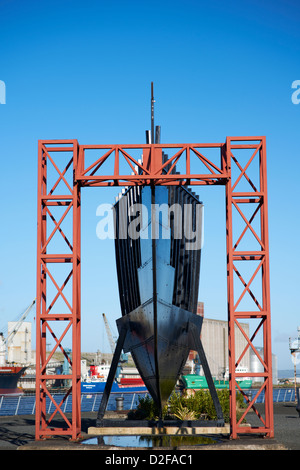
(150, 137)
(152, 113)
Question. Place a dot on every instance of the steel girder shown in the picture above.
(62, 193)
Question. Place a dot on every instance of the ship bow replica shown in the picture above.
(158, 234)
(158, 275)
(158, 268)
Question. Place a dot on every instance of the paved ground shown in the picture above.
(286, 425)
(18, 433)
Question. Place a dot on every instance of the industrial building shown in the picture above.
(19, 349)
(215, 343)
(214, 336)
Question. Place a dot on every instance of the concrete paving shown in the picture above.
(18, 433)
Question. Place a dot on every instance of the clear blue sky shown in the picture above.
(83, 70)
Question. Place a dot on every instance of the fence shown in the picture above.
(279, 395)
(25, 404)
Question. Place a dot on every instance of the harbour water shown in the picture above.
(151, 441)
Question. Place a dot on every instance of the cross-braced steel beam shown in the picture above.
(58, 296)
(256, 249)
(54, 306)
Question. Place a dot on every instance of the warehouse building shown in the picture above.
(214, 337)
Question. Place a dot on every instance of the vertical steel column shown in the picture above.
(230, 298)
(262, 311)
(266, 289)
(76, 339)
(40, 292)
(48, 198)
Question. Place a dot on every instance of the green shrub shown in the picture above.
(201, 404)
(146, 409)
(197, 406)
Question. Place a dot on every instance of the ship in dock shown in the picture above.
(12, 372)
(96, 379)
(9, 378)
(10, 375)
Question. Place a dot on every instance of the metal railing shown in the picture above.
(25, 404)
(280, 395)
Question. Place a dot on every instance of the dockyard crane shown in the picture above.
(109, 335)
(124, 357)
(5, 342)
(19, 323)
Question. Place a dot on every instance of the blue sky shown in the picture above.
(83, 70)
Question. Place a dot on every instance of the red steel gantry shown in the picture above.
(58, 301)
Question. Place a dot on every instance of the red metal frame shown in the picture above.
(69, 200)
(128, 170)
(255, 194)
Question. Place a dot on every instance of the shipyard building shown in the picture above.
(214, 336)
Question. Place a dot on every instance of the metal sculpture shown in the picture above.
(59, 188)
(158, 251)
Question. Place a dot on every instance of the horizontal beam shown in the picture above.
(59, 258)
(149, 146)
(143, 178)
(56, 376)
(251, 374)
(248, 194)
(126, 183)
(65, 197)
(248, 255)
(250, 314)
(57, 316)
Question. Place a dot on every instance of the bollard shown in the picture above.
(119, 403)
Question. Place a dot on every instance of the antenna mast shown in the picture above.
(150, 138)
(152, 114)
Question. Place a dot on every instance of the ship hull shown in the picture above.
(9, 377)
(197, 382)
(98, 387)
(158, 276)
(159, 359)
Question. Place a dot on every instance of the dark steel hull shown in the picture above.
(158, 276)
(9, 377)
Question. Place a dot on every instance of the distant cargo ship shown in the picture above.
(11, 374)
(9, 377)
(97, 386)
(97, 379)
(199, 382)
